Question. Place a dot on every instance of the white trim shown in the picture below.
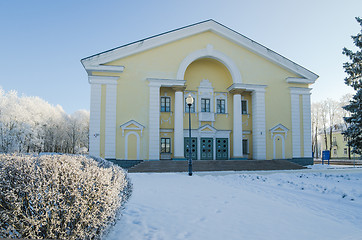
(299, 90)
(247, 87)
(110, 122)
(237, 127)
(210, 52)
(299, 80)
(178, 34)
(154, 122)
(126, 145)
(104, 68)
(283, 145)
(178, 126)
(158, 82)
(205, 91)
(223, 96)
(109, 80)
(259, 124)
(95, 120)
(284, 130)
(295, 115)
(139, 126)
(307, 128)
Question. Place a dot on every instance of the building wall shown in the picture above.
(339, 145)
(163, 62)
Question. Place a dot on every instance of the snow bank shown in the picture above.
(281, 205)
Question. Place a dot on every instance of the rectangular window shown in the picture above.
(220, 103)
(244, 107)
(345, 151)
(205, 105)
(165, 145)
(245, 147)
(334, 151)
(192, 106)
(165, 104)
(345, 139)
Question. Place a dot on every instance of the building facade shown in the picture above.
(340, 147)
(249, 102)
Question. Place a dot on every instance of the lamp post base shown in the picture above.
(190, 168)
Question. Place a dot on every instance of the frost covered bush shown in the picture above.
(59, 196)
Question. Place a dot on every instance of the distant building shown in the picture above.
(339, 143)
(249, 101)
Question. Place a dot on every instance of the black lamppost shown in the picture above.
(190, 101)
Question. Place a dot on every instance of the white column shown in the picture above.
(95, 120)
(295, 111)
(154, 122)
(259, 133)
(110, 124)
(237, 127)
(307, 128)
(178, 127)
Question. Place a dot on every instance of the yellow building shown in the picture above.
(339, 144)
(249, 101)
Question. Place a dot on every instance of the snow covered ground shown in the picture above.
(317, 203)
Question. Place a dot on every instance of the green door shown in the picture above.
(193, 148)
(206, 149)
(222, 148)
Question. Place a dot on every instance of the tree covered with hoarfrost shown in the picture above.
(353, 68)
(30, 124)
(59, 196)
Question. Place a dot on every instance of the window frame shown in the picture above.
(163, 145)
(246, 107)
(219, 110)
(206, 107)
(165, 103)
(245, 150)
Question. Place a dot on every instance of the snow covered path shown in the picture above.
(323, 204)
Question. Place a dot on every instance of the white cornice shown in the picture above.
(297, 90)
(166, 82)
(299, 80)
(209, 25)
(103, 68)
(247, 87)
(102, 80)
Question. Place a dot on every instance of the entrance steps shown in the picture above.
(214, 165)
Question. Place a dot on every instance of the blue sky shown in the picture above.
(42, 41)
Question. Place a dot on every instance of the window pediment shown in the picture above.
(132, 125)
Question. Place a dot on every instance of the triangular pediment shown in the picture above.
(279, 128)
(102, 60)
(207, 128)
(132, 125)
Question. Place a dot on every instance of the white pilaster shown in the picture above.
(178, 128)
(237, 127)
(95, 120)
(110, 124)
(154, 122)
(259, 133)
(307, 128)
(295, 111)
